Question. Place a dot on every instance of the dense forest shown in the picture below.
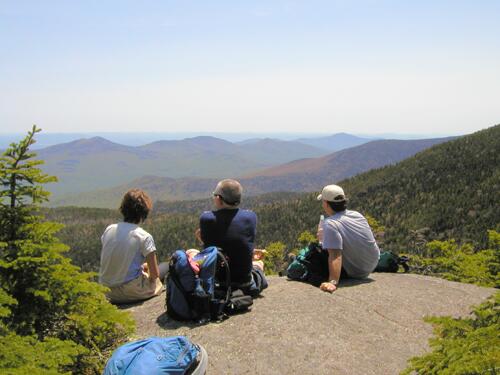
(173, 224)
(448, 191)
(451, 190)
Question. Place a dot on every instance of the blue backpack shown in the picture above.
(201, 297)
(158, 355)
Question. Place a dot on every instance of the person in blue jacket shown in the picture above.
(233, 230)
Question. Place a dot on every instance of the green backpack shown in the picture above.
(310, 265)
(390, 262)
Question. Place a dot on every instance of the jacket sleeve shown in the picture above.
(207, 228)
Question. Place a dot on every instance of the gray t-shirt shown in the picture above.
(125, 247)
(349, 231)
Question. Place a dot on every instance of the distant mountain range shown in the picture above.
(46, 139)
(335, 142)
(96, 163)
(297, 176)
(331, 143)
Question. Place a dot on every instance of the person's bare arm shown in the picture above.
(197, 235)
(152, 262)
(334, 269)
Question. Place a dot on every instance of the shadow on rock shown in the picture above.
(125, 306)
(166, 322)
(345, 282)
(128, 305)
(353, 282)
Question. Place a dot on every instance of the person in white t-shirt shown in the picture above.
(129, 266)
(346, 234)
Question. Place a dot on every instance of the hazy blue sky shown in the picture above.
(276, 66)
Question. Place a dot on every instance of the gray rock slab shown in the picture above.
(368, 327)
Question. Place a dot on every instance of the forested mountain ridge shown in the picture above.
(351, 161)
(298, 176)
(451, 190)
(448, 191)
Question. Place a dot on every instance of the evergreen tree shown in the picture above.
(46, 303)
(463, 346)
(274, 260)
(463, 263)
(305, 238)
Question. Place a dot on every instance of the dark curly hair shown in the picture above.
(135, 206)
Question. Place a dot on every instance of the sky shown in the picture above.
(362, 67)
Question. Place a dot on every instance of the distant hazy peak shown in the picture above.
(206, 140)
(200, 141)
(335, 142)
(258, 140)
(203, 138)
(339, 136)
(84, 146)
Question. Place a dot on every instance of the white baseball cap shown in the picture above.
(332, 193)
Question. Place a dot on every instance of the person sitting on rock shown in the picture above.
(233, 230)
(129, 266)
(352, 249)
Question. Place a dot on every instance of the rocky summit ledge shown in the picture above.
(369, 327)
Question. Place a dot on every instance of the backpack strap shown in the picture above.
(227, 281)
(175, 278)
(220, 301)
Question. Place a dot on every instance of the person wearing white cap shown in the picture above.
(352, 249)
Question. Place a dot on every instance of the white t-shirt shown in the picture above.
(124, 250)
(349, 231)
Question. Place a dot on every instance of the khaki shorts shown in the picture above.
(135, 290)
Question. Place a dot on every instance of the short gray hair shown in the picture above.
(230, 191)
